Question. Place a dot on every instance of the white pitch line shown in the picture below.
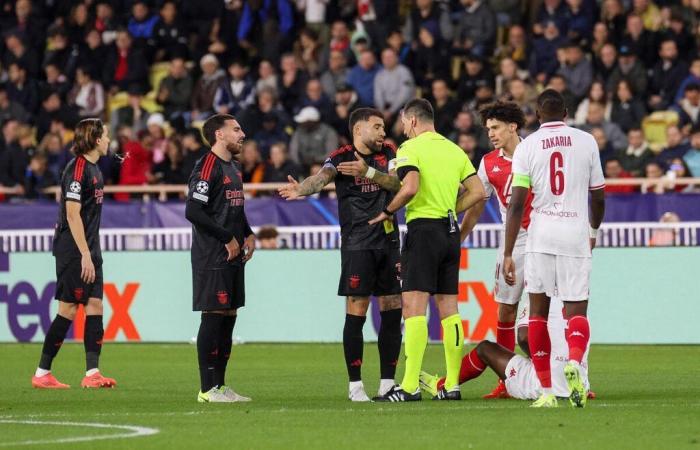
(132, 431)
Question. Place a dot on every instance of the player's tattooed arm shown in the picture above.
(388, 181)
(359, 168)
(311, 185)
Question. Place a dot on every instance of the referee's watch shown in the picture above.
(387, 212)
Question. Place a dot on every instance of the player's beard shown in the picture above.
(235, 148)
(374, 145)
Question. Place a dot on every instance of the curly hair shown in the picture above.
(508, 112)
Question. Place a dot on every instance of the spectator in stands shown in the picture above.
(194, 150)
(202, 102)
(336, 73)
(637, 155)
(559, 84)
(339, 42)
(630, 69)
(431, 60)
(605, 147)
(38, 177)
(577, 70)
(403, 49)
(601, 37)
(692, 78)
(105, 22)
(222, 40)
(267, 237)
(393, 87)
(175, 91)
(596, 118)
(267, 104)
(314, 96)
(464, 124)
(516, 48)
(678, 32)
(689, 108)
(133, 115)
(467, 142)
(606, 63)
(12, 165)
(346, 102)
(58, 61)
(596, 94)
(10, 109)
(522, 93)
(252, 165)
(667, 76)
(313, 140)
(678, 169)
(87, 95)
(627, 110)
(279, 167)
(92, 53)
(136, 167)
(169, 170)
(692, 156)
(51, 109)
(431, 15)
(22, 89)
(579, 21)
(308, 52)
(476, 74)
(291, 83)
(613, 170)
(642, 41)
(543, 60)
(475, 32)
(78, 23)
(676, 146)
(155, 126)
(508, 71)
(657, 183)
(612, 14)
(665, 237)
(169, 34)
(126, 65)
(648, 12)
(444, 107)
(267, 77)
(361, 77)
(56, 153)
(264, 29)
(236, 92)
(16, 52)
(554, 11)
(32, 25)
(269, 133)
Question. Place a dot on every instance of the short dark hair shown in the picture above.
(421, 109)
(212, 125)
(363, 115)
(508, 112)
(613, 159)
(87, 132)
(550, 105)
(692, 87)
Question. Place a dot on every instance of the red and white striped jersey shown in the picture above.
(495, 172)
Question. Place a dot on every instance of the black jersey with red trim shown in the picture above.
(361, 199)
(81, 182)
(217, 185)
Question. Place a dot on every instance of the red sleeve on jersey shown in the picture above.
(336, 156)
(207, 167)
(390, 148)
(78, 169)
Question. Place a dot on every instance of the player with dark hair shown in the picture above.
(222, 243)
(365, 185)
(559, 165)
(432, 169)
(76, 246)
(502, 120)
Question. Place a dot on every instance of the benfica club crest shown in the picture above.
(354, 281)
(222, 296)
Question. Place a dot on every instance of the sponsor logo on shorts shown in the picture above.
(512, 373)
(354, 281)
(78, 292)
(222, 296)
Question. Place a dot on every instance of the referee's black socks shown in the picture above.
(353, 345)
(389, 342)
(225, 343)
(53, 341)
(208, 348)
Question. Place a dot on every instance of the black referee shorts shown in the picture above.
(70, 287)
(370, 272)
(430, 257)
(218, 289)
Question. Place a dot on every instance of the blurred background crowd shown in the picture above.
(291, 71)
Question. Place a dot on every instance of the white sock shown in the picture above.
(355, 384)
(547, 391)
(91, 372)
(384, 386)
(41, 372)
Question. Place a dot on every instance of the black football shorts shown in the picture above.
(218, 289)
(370, 272)
(70, 287)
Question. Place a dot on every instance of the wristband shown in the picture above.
(371, 172)
(386, 211)
(592, 232)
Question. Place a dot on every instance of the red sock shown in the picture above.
(505, 335)
(472, 367)
(540, 349)
(577, 334)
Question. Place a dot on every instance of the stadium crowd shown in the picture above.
(291, 71)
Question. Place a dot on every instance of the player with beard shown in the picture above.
(222, 243)
(370, 259)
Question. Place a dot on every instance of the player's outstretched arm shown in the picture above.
(514, 218)
(75, 223)
(597, 210)
(359, 168)
(311, 185)
(473, 194)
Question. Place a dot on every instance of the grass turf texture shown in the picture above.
(647, 398)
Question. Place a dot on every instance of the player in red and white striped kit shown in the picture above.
(503, 120)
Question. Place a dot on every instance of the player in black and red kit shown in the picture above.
(76, 246)
(369, 253)
(222, 242)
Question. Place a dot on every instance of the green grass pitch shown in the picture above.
(648, 397)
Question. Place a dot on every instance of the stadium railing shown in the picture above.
(623, 234)
(161, 191)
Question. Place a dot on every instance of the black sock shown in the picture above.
(94, 332)
(207, 348)
(389, 342)
(225, 342)
(53, 341)
(353, 345)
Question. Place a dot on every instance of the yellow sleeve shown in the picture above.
(468, 170)
(406, 156)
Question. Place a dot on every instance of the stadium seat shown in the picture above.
(655, 125)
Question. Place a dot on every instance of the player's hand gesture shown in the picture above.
(87, 269)
(509, 270)
(380, 218)
(357, 168)
(290, 191)
(248, 248)
(233, 249)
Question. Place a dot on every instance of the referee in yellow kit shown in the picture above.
(431, 169)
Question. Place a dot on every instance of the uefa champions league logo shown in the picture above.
(202, 187)
(75, 187)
